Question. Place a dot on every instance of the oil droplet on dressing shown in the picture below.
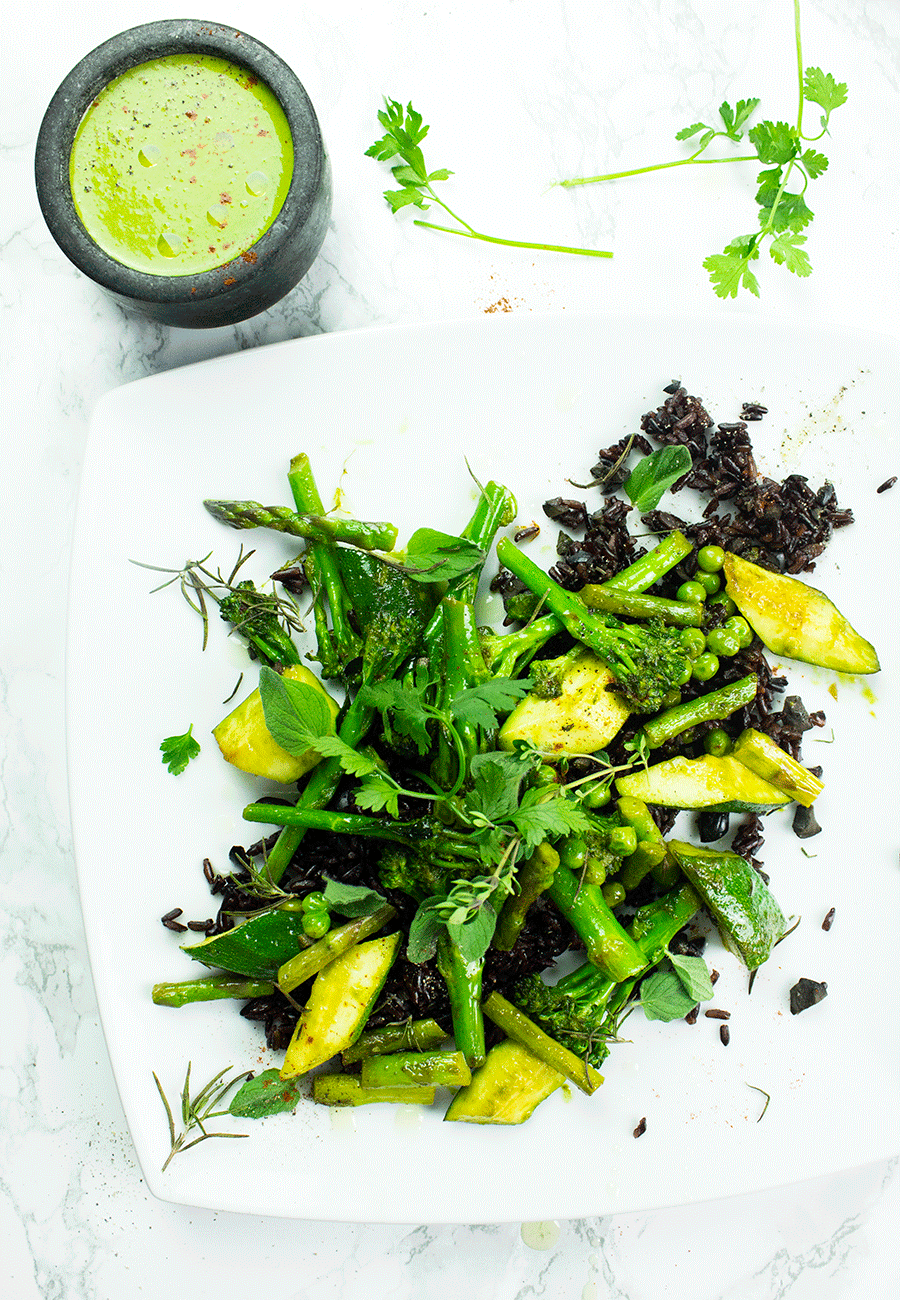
(542, 1235)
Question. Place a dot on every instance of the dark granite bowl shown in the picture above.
(242, 287)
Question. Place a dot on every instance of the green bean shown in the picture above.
(705, 708)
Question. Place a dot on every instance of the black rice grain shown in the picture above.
(829, 919)
(724, 1035)
(641, 1128)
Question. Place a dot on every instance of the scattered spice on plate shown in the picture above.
(806, 993)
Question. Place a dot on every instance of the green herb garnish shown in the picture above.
(177, 751)
(655, 474)
(784, 152)
(402, 138)
(195, 1111)
(671, 992)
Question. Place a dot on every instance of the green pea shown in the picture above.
(692, 592)
(710, 582)
(710, 558)
(718, 742)
(316, 924)
(597, 795)
(623, 841)
(741, 628)
(315, 902)
(722, 598)
(613, 893)
(573, 853)
(674, 696)
(705, 667)
(545, 775)
(693, 641)
(722, 641)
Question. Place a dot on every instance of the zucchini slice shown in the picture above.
(717, 782)
(506, 1088)
(745, 911)
(246, 743)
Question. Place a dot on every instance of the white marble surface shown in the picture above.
(519, 92)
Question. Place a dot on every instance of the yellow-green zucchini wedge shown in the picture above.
(342, 995)
(748, 918)
(759, 752)
(506, 1089)
(581, 719)
(796, 620)
(255, 947)
(246, 742)
(347, 1090)
(711, 781)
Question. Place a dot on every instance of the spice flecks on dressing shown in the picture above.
(181, 164)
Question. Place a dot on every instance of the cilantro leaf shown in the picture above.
(376, 794)
(814, 163)
(821, 88)
(785, 250)
(353, 761)
(654, 474)
(481, 704)
(791, 213)
(403, 707)
(730, 271)
(177, 751)
(495, 790)
(774, 142)
(735, 118)
(687, 131)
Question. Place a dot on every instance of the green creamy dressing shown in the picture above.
(181, 164)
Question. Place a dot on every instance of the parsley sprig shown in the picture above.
(787, 158)
(403, 136)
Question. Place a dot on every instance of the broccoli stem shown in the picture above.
(705, 708)
(508, 654)
(533, 877)
(609, 948)
(209, 988)
(463, 979)
(646, 571)
(327, 529)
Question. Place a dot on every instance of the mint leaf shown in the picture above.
(664, 997)
(432, 556)
(351, 900)
(177, 751)
(296, 714)
(424, 931)
(473, 937)
(694, 975)
(265, 1094)
(654, 474)
(821, 88)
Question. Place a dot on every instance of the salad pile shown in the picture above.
(459, 805)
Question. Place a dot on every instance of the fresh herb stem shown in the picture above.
(694, 159)
(195, 1111)
(468, 233)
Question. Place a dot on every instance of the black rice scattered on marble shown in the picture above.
(806, 993)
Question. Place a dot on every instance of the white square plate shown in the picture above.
(389, 418)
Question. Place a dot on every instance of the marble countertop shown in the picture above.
(519, 93)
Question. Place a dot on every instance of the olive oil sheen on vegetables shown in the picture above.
(181, 164)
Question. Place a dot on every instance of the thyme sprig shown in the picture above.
(197, 1110)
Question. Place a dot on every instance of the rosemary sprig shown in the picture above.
(195, 1111)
